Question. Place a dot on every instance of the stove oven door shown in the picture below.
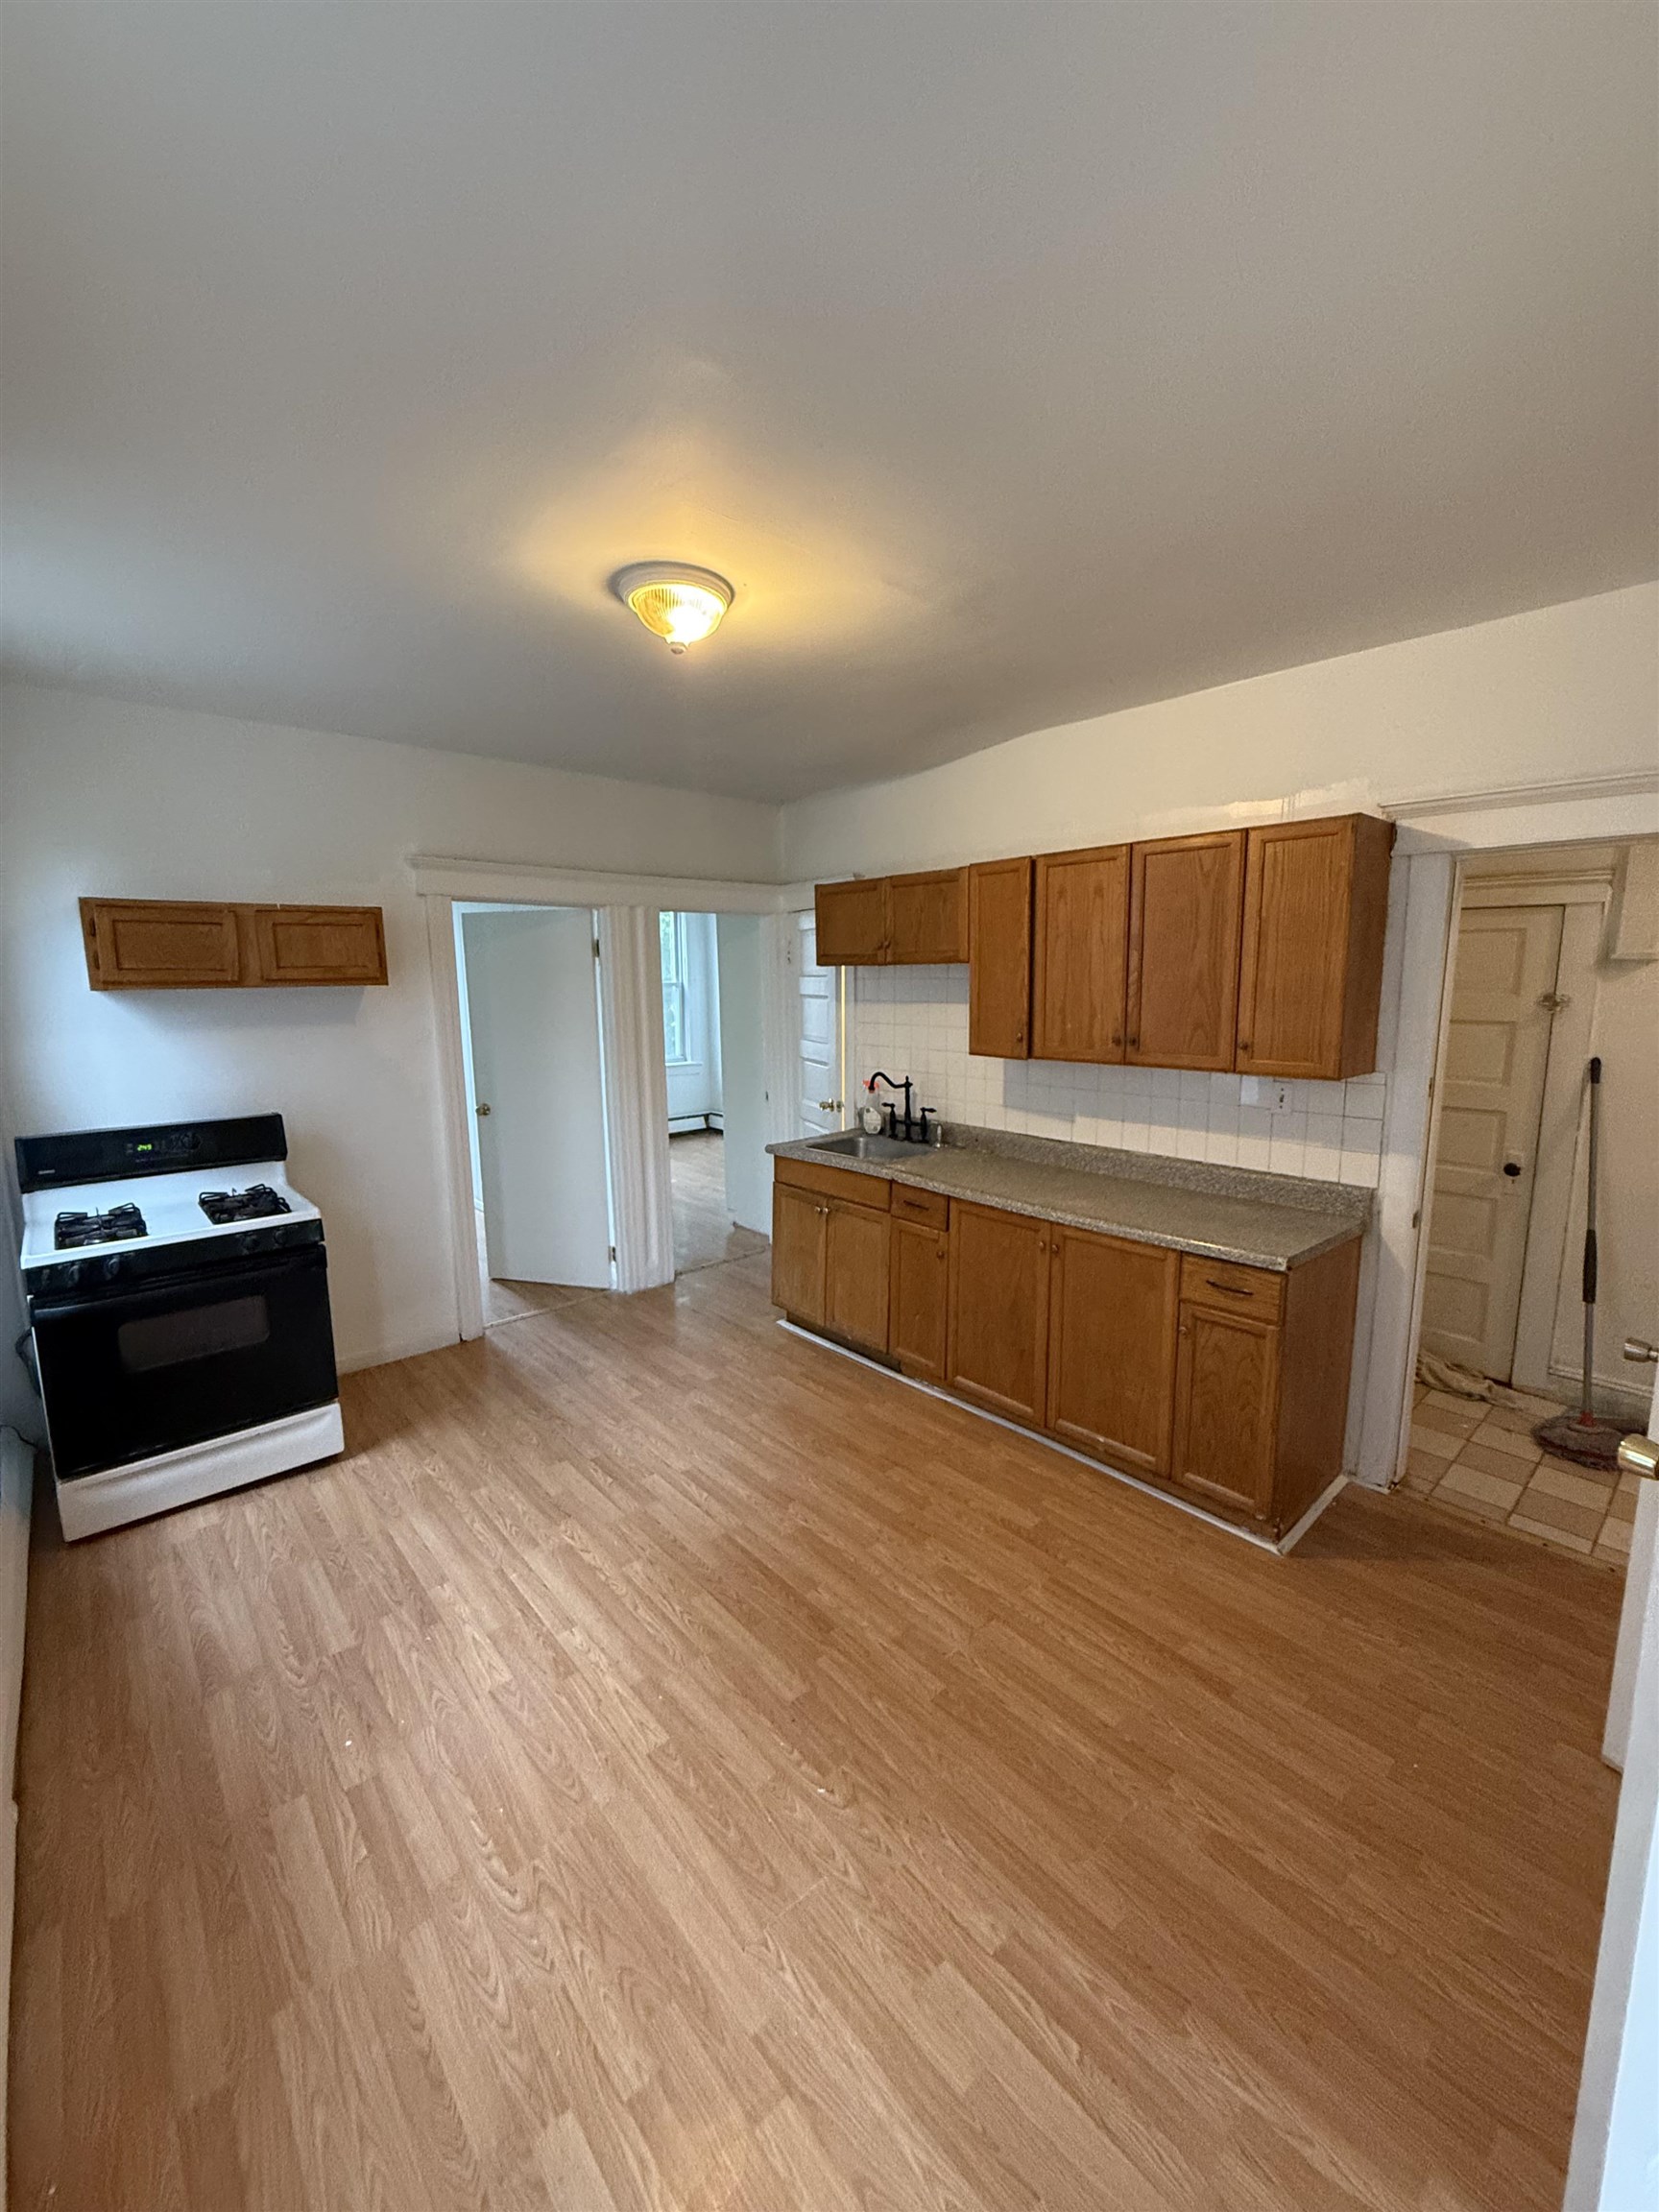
(130, 1374)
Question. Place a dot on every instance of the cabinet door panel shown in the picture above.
(998, 1330)
(1226, 1407)
(1185, 913)
(853, 923)
(919, 1301)
(173, 944)
(317, 945)
(1000, 959)
(1112, 1317)
(797, 1243)
(1315, 909)
(1081, 929)
(855, 1275)
(928, 917)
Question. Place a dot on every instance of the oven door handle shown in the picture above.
(205, 1286)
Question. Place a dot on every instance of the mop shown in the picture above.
(1580, 1437)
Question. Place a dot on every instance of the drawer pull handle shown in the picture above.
(1231, 1289)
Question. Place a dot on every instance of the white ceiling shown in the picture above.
(1015, 362)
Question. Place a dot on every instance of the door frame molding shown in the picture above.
(626, 909)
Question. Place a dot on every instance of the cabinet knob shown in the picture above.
(1244, 1048)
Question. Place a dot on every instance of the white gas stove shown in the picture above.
(178, 1309)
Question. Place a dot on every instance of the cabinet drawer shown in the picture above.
(1228, 1288)
(921, 1206)
(834, 1182)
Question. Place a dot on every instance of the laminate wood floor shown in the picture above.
(704, 1234)
(667, 1766)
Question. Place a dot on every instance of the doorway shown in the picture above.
(1556, 959)
(534, 1073)
(716, 1080)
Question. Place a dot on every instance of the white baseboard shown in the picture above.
(348, 1363)
(17, 1492)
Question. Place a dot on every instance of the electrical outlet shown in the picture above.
(1263, 1091)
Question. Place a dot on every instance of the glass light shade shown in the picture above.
(675, 603)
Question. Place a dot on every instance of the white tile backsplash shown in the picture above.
(914, 1021)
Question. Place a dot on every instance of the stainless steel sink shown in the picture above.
(854, 1144)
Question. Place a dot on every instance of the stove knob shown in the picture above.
(112, 1267)
(69, 1276)
(251, 1243)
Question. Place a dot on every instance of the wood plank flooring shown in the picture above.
(704, 1234)
(666, 1766)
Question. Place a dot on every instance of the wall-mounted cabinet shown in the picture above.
(1000, 959)
(1310, 977)
(1080, 928)
(1259, 951)
(853, 923)
(928, 918)
(879, 921)
(1186, 903)
(188, 945)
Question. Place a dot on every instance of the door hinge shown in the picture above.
(612, 1251)
(595, 948)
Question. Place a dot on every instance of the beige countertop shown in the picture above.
(1258, 1220)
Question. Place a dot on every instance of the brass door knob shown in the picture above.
(480, 1111)
(1640, 1456)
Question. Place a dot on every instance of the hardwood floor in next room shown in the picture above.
(666, 1765)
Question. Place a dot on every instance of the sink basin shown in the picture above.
(854, 1145)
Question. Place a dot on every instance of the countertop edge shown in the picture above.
(805, 1149)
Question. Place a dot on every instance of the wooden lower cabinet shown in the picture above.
(1226, 1382)
(1226, 1398)
(920, 1299)
(798, 1247)
(999, 1335)
(1112, 1317)
(856, 1274)
(829, 1253)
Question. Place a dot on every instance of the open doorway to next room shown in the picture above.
(1555, 964)
(712, 1045)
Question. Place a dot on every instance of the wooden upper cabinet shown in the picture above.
(1000, 1309)
(1080, 934)
(1315, 909)
(317, 945)
(1111, 1313)
(928, 916)
(160, 945)
(853, 923)
(1000, 959)
(1186, 901)
(182, 945)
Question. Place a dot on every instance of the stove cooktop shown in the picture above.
(118, 1226)
(254, 1204)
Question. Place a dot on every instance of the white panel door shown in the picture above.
(533, 1006)
(819, 1097)
(1497, 1051)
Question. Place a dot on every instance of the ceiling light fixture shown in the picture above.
(673, 601)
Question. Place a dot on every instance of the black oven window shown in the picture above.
(197, 1332)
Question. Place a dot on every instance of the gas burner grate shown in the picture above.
(118, 1226)
(254, 1204)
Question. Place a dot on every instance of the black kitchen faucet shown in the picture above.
(913, 1128)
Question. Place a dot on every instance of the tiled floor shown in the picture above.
(1481, 1460)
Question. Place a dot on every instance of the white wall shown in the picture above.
(1565, 692)
(123, 799)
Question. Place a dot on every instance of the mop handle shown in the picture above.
(1590, 1194)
